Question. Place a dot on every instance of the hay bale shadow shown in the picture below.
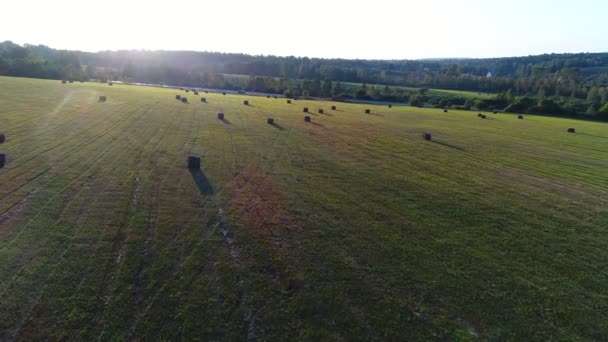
(202, 182)
(448, 145)
(277, 126)
(225, 121)
(315, 123)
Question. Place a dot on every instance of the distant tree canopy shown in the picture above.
(568, 84)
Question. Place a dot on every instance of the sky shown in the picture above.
(378, 29)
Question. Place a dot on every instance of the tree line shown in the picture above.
(556, 84)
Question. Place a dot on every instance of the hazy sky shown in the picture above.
(381, 29)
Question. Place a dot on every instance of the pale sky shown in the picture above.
(379, 29)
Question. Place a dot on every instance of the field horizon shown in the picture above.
(348, 227)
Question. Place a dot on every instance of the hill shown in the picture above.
(349, 227)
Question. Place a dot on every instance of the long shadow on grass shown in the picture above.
(225, 121)
(316, 124)
(201, 181)
(591, 135)
(448, 145)
(277, 126)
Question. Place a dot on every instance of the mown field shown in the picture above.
(351, 227)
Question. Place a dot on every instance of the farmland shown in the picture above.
(349, 227)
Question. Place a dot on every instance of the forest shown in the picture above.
(573, 85)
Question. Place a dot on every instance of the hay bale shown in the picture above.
(267, 96)
(479, 115)
(570, 130)
(187, 91)
(305, 109)
(196, 93)
(246, 103)
(223, 93)
(390, 106)
(289, 101)
(270, 121)
(333, 107)
(427, 136)
(2, 160)
(178, 97)
(520, 117)
(110, 83)
(2, 138)
(220, 116)
(307, 118)
(184, 99)
(70, 81)
(275, 97)
(320, 111)
(194, 162)
(203, 99)
(445, 110)
(64, 81)
(483, 116)
(495, 112)
(206, 91)
(368, 111)
(102, 99)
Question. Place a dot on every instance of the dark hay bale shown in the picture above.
(223, 93)
(196, 93)
(445, 110)
(479, 115)
(570, 130)
(267, 96)
(368, 111)
(64, 81)
(307, 118)
(333, 107)
(194, 162)
(102, 99)
(2, 160)
(426, 136)
(390, 106)
(206, 91)
(305, 110)
(220, 116)
(181, 88)
(483, 116)
(70, 81)
(110, 83)
(520, 116)
(178, 97)
(320, 111)
(289, 101)
(187, 91)
(2, 138)
(495, 112)
(203, 99)
(184, 99)
(246, 103)
(270, 121)
(275, 97)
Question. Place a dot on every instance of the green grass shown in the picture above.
(351, 228)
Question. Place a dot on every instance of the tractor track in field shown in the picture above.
(79, 223)
(69, 153)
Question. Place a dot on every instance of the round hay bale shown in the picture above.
(289, 101)
(445, 110)
(64, 81)
(178, 97)
(2, 160)
(570, 130)
(483, 116)
(320, 111)
(270, 121)
(267, 96)
(2, 138)
(333, 107)
(196, 93)
(220, 116)
(187, 90)
(194, 162)
(520, 117)
(184, 99)
(390, 106)
(110, 83)
(307, 118)
(479, 115)
(206, 91)
(427, 136)
(223, 93)
(204, 99)
(246, 103)
(305, 110)
(368, 111)
(495, 112)
(71, 81)
(102, 99)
